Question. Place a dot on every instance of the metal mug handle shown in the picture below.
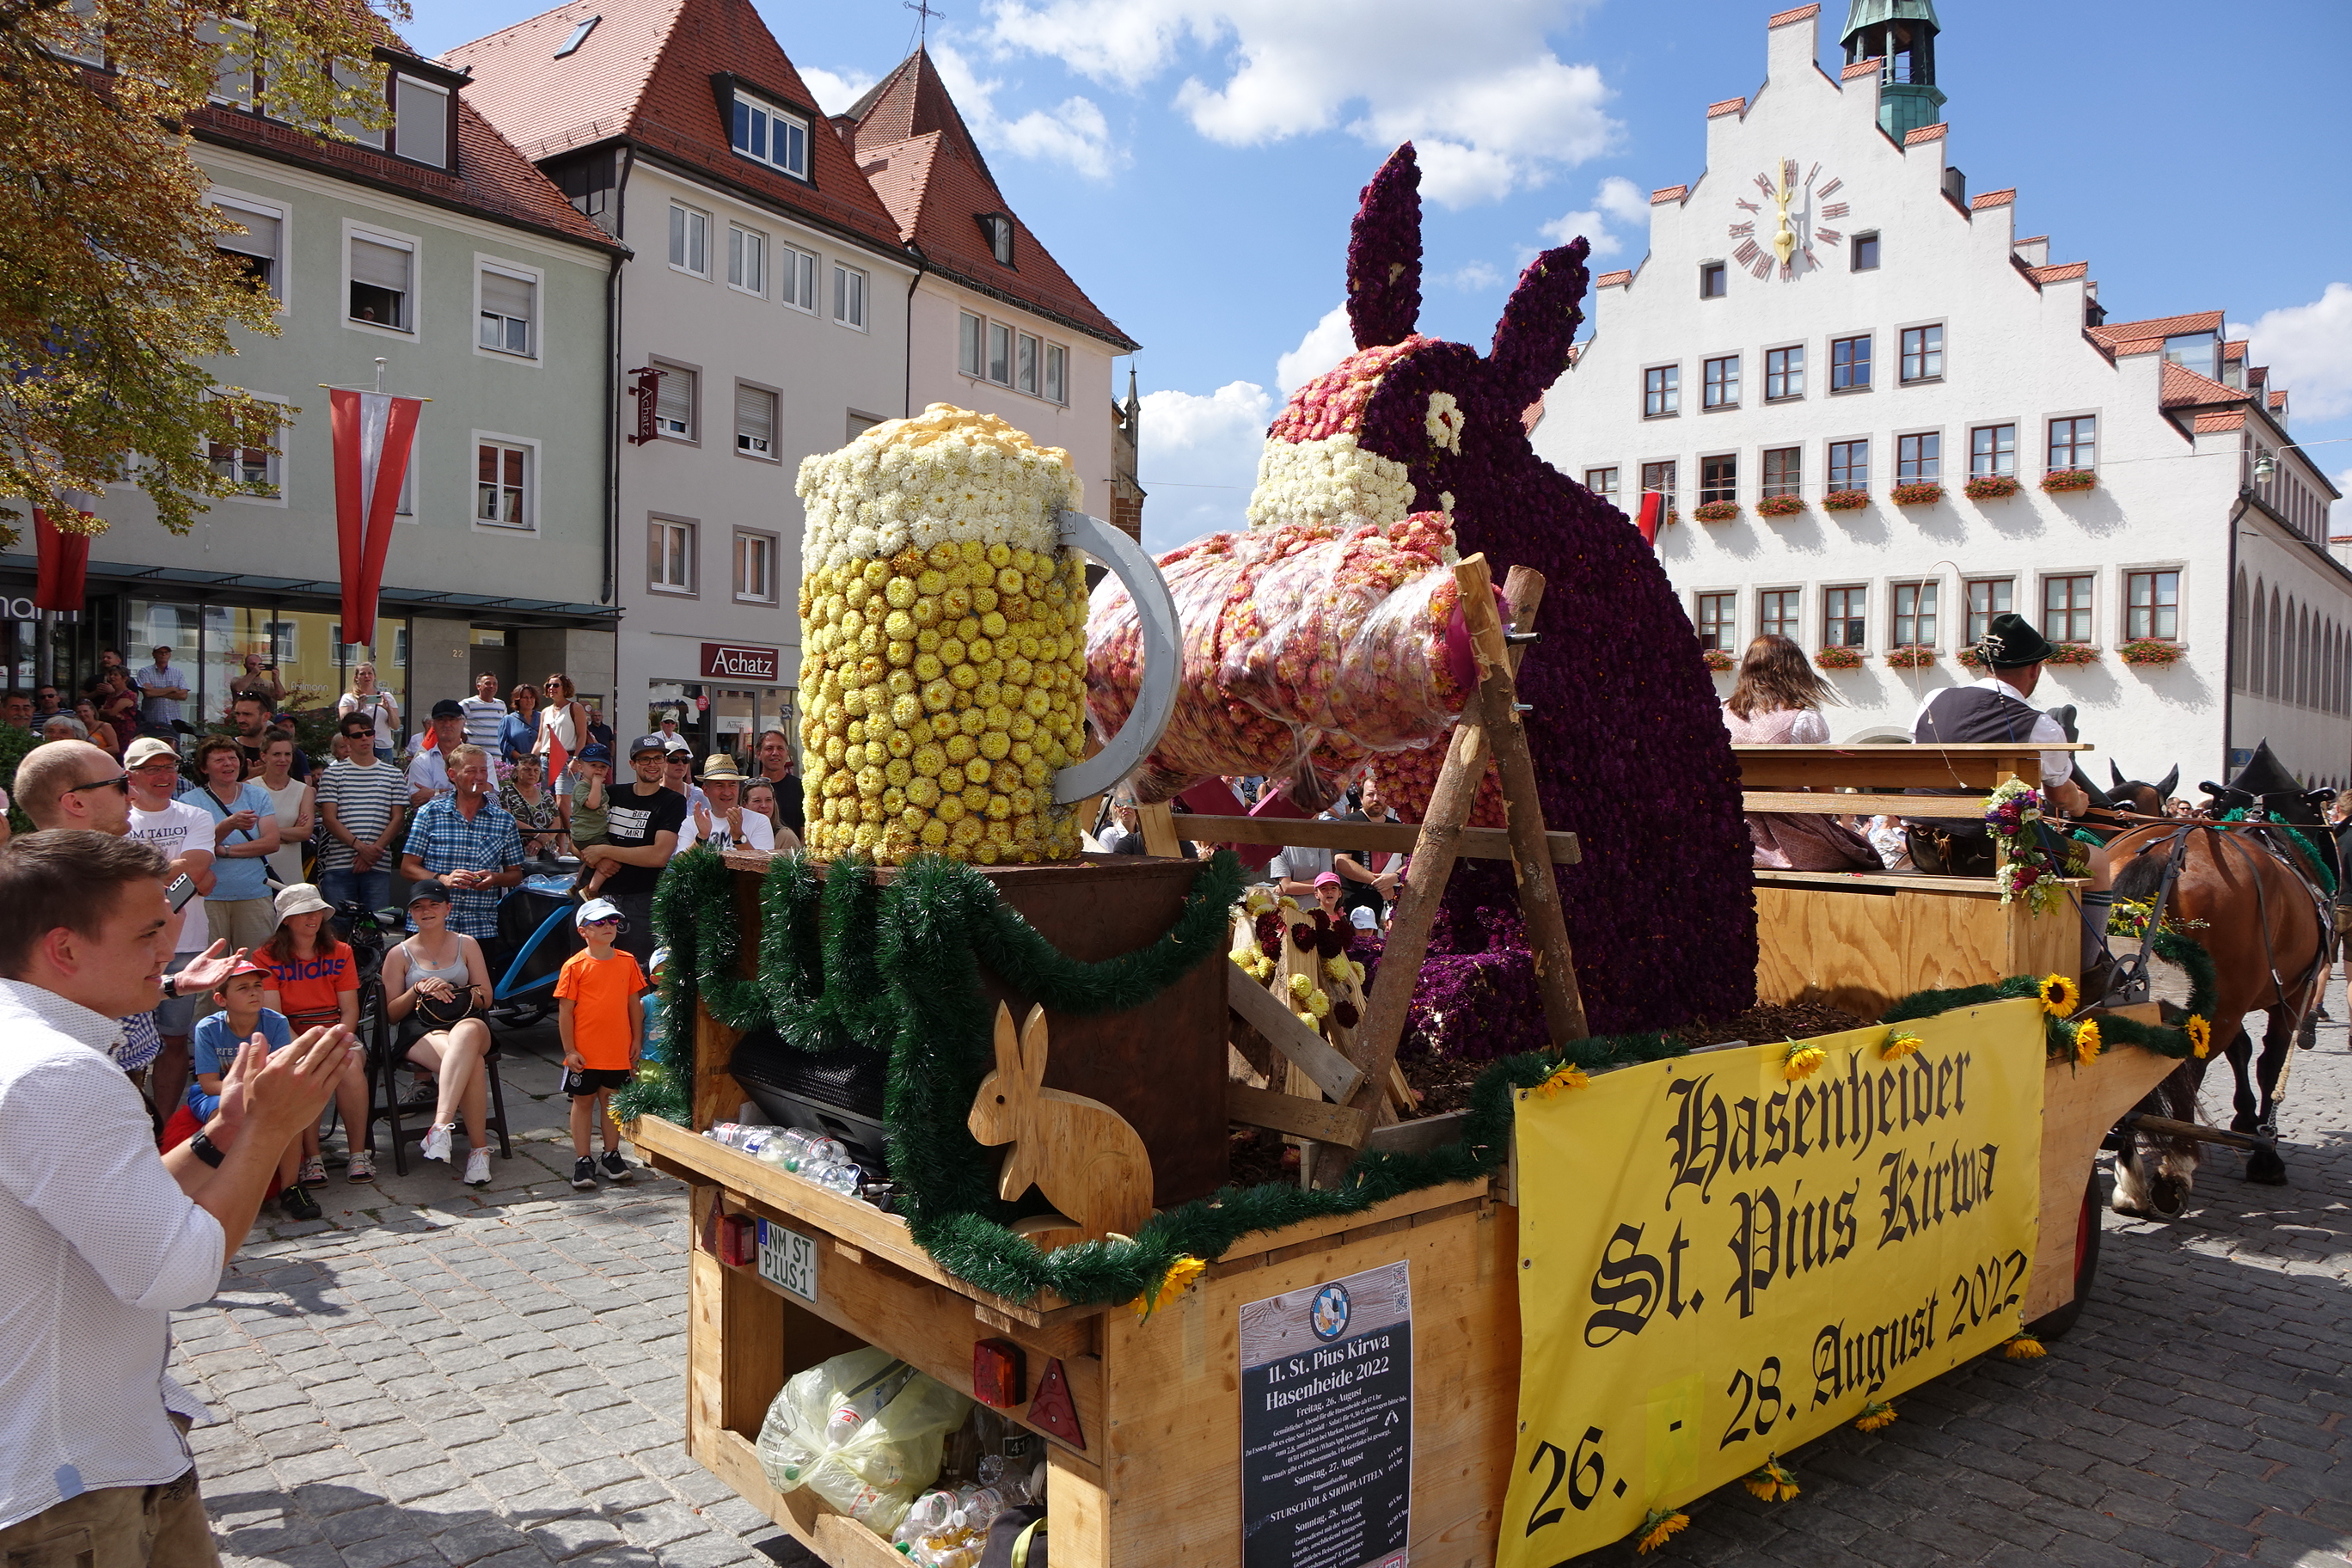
(1163, 648)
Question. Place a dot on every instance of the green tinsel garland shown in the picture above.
(2058, 1034)
(846, 962)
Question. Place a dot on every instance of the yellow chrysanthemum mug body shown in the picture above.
(943, 607)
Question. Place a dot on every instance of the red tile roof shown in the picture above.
(1860, 69)
(646, 74)
(1782, 18)
(2212, 424)
(1728, 106)
(1671, 194)
(2032, 240)
(914, 147)
(2278, 398)
(491, 179)
(2060, 274)
(1924, 134)
(2182, 388)
(2147, 337)
(1611, 279)
(1993, 199)
(2234, 351)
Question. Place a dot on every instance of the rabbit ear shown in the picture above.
(1032, 1044)
(1538, 324)
(1385, 255)
(1008, 1044)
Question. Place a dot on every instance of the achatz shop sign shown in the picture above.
(1720, 1262)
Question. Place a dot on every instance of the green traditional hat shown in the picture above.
(2011, 643)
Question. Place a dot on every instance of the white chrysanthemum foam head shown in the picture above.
(947, 474)
(1333, 480)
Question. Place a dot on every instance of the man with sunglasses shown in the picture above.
(184, 835)
(72, 784)
(641, 831)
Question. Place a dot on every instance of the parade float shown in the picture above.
(958, 1104)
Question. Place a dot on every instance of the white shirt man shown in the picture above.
(428, 774)
(100, 1238)
(720, 819)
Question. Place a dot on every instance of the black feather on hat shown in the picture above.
(2011, 643)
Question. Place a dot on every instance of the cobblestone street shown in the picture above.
(434, 1375)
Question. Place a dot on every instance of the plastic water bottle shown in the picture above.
(843, 1179)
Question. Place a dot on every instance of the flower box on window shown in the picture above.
(1779, 506)
(1924, 494)
(2072, 653)
(1839, 658)
(2155, 652)
(1910, 657)
(2064, 480)
(1715, 510)
(1991, 487)
(1845, 500)
(1971, 657)
(1719, 661)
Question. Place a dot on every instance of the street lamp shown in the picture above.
(2264, 468)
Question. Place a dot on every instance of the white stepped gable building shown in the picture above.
(1826, 311)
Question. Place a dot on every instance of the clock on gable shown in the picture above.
(1787, 221)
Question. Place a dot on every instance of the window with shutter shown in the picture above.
(256, 250)
(673, 406)
(755, 421)
(421, 121)
(380, 282)
(508, 306)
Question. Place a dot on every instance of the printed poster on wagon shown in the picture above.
(1720, 1263)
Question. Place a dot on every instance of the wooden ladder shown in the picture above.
(1337, 1094)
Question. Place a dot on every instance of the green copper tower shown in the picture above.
(1900, 33)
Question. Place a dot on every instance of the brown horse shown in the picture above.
(2266, 928)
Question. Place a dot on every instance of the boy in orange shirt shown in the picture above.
(602, 1017)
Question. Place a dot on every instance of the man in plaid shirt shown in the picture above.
(469, 841)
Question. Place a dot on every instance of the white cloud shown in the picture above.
(1478, 88)
(1619, 200)
(1327, 342)
(1199, 460)
(1471, 278)
(1073, 134)
(2309, 351)
(835, 90)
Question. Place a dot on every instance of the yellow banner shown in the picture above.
(1721, 1263)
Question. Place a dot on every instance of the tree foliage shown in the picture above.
(114, 295)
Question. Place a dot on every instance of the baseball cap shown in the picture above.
(163, 647)
(597, 910)
(1363, 919)
(432, 891)
(1330, 877)
(676, 743)
(644, 744)
(594, 752)
(146, 749)
(448, 708)
(243, 966)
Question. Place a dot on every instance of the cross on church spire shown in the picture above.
(924, 9)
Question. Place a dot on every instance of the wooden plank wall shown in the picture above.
(1863, 949)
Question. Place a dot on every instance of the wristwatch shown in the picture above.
(206, 1149)
(171, 988)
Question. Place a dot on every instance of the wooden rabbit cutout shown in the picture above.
(1079, 1153)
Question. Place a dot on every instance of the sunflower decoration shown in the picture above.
(1567, 1075)
(1802, 1060)
(1899, 1044)
(1878, 1413)
(1657, 1526)
(2024, 1347)
(2060, 995)
(2201, 1036)
(1772, 1482)
(1181, 1273)
(2087, 1044)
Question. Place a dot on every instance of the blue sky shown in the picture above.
(1193, 164)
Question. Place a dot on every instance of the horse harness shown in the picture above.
(2132, 976)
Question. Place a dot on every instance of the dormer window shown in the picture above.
(768, 136)
(2199, 351)
(998, 230)
(420, 123)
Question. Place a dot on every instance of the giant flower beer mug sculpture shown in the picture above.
(943, 605)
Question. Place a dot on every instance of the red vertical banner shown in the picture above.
(372, 434)
(64, 563)
(1652, 517)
